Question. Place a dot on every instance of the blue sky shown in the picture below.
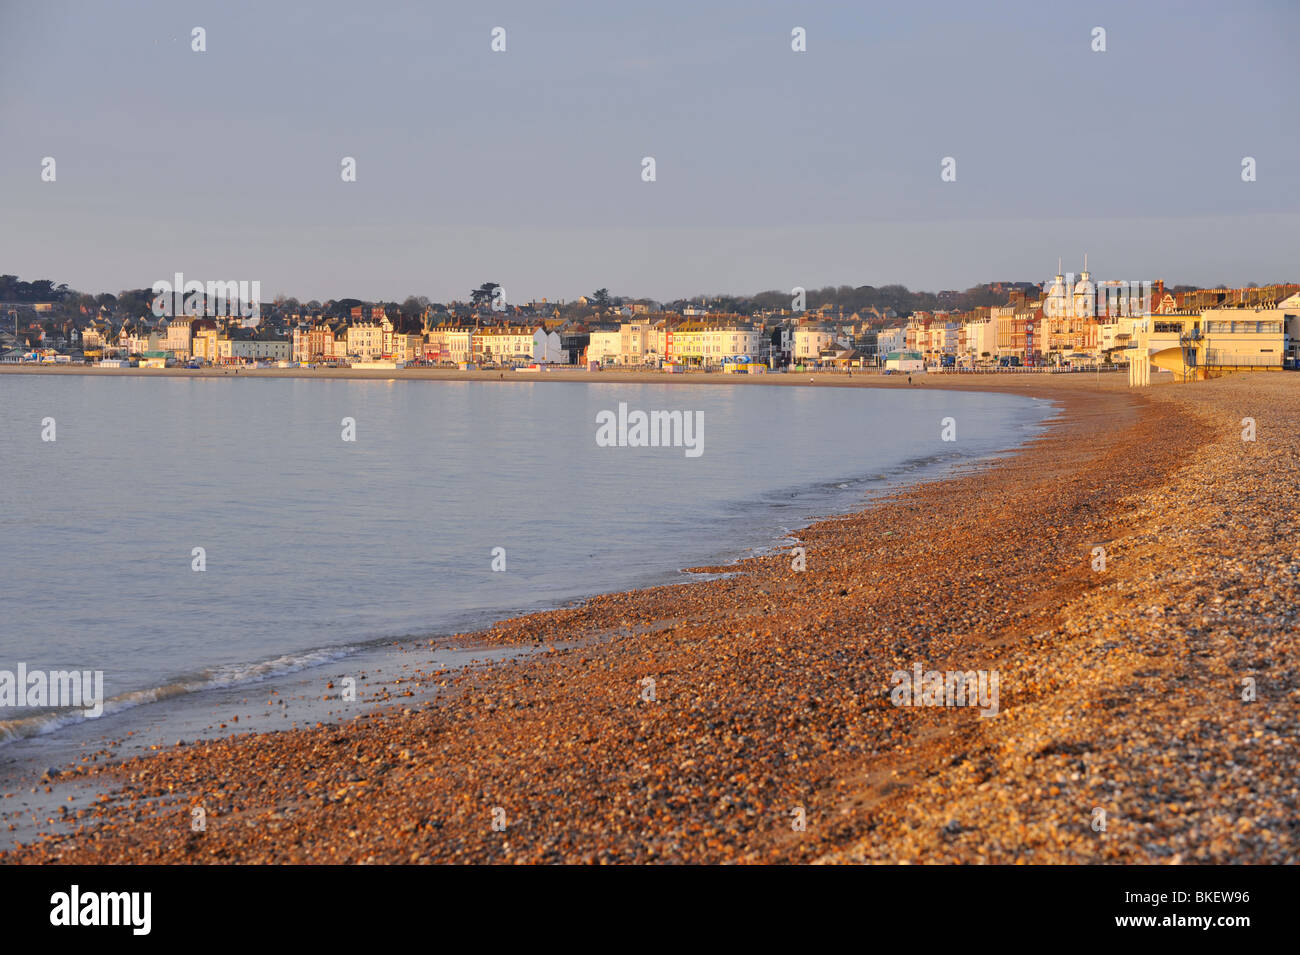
(774, 168)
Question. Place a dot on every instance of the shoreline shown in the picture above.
(171, 716)
(769, 693)
(907, 473)
(883, 481)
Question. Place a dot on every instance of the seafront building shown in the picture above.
(180, 333)
(604, 346)
(701, 343)
(892, 339)
(1068, 326)
(203, 340)
(502, 344)
(810, 340)
(315, 343)
(1015, 331)
(548, 347)
(942, 338)
(1195, 345)
(1068, 321)
(242, 350)
(638, 343)
(980, 338)
(370, 340)
(448, 344)
(643, 343)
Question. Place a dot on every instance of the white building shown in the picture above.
(981, 339)
(239, 349)
(696, 343)
(811, 340)
(448, 343)
(904, 361)
(548, 349)
(502, 344)
(891, 339)
(368, 340)
(641, 343)
(603, 346)
(180, 333)
(1115, 337)
(1065, 302)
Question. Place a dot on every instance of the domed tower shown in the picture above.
(1056, 301)
(1085, 294)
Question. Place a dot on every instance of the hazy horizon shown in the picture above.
(774, 168)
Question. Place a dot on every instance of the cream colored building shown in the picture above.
(94, 338)
(942, 338)
(239, 349)
(699, 343)
(604, 346)
(180, 332)
(980, 339)
(1290, 308)
(448, 343)
(641, 343)
(203, 345)
(369, 340)
(1239, 338)
(1115, 337)
(140, 342)
(733, 341)
(1212, 342)
(503, 343)
(810, 340)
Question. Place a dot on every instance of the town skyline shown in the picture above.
(759, 298)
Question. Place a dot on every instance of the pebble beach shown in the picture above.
(1148, 708)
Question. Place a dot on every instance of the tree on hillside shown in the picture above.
(414, 305)
(342, 307)
(484, 294)
(12, 289)
(132, 303)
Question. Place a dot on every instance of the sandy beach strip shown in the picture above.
(864, 378)
(1120, 690)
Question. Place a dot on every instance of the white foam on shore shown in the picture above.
(234, 674)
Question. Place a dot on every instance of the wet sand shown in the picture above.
(1120, 690)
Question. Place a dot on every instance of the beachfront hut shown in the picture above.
(904, 361)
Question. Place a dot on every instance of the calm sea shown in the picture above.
(316, 547)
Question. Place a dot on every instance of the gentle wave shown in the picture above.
(234, 674)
